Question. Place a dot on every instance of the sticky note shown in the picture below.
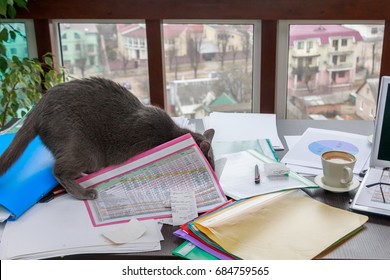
(183, 204)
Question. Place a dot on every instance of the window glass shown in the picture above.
(208, 67)
(18, 46)
(337, 75)
(114, 51)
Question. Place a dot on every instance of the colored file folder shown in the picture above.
(189, 251)
(286, 225)
(29, 178)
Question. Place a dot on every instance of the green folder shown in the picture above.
(189, 251)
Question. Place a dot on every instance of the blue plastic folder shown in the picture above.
(29, 179)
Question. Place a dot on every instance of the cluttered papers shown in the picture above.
(237, 178)
(62, 227)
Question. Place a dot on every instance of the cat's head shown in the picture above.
(204, 143)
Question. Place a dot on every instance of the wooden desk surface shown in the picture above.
(373, 242)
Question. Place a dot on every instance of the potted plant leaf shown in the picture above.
(22, 80)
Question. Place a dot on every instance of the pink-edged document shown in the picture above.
(141, 187)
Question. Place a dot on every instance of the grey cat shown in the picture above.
(93, 123)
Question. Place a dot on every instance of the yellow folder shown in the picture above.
(286, 225)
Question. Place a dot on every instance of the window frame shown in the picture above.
(282, 56)
(30, 35)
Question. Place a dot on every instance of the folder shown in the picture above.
(282, 226)
(29, 179)
(189, 251)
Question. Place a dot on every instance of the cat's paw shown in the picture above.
(90, 194)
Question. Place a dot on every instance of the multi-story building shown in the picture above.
(323, 70)
(322, 59)
(80, 47)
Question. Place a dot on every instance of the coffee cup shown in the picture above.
(337, 168)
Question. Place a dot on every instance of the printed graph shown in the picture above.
(322, 146)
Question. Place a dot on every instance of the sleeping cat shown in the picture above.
(93, 123)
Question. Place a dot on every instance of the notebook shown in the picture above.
(28, 180)
(373, 194)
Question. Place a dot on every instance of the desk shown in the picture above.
(373, 242)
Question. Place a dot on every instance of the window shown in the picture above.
(347, 56)
(108, 50)
(208, 67)
(18, 46)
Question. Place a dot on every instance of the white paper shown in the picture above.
(4, 214)
(183, 207)
(307, 151)
(244, 126)
(237, 179)
(62, 227)
(127, 233)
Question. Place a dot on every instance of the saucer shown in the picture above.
(354, 184)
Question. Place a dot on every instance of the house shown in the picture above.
(80, 48)
(186, 97)
(366, 99)
(321, 59)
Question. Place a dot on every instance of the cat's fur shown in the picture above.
(93, 123)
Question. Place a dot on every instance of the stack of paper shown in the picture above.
(62, 227)
(285, 225)
(305, 155)
(182, 122)
(242, 126)
(237, 178)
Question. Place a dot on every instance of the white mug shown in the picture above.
(338, 168)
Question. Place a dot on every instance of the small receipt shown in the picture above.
(276, 169)
(183, 205)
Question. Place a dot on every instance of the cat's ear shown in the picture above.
(205, 147)
(209, 134)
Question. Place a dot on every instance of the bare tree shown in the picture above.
(81, 63)
(173, 59)
(234, 52)
(246, 47)
(194, 41)
(223, 40)
(124, 57)
(236, 83)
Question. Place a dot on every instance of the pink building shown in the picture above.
(322, 59)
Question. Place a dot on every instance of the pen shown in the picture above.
(257, 174)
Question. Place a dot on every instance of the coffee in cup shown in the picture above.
(338, 168)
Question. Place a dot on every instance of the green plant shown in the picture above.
(22, 81)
